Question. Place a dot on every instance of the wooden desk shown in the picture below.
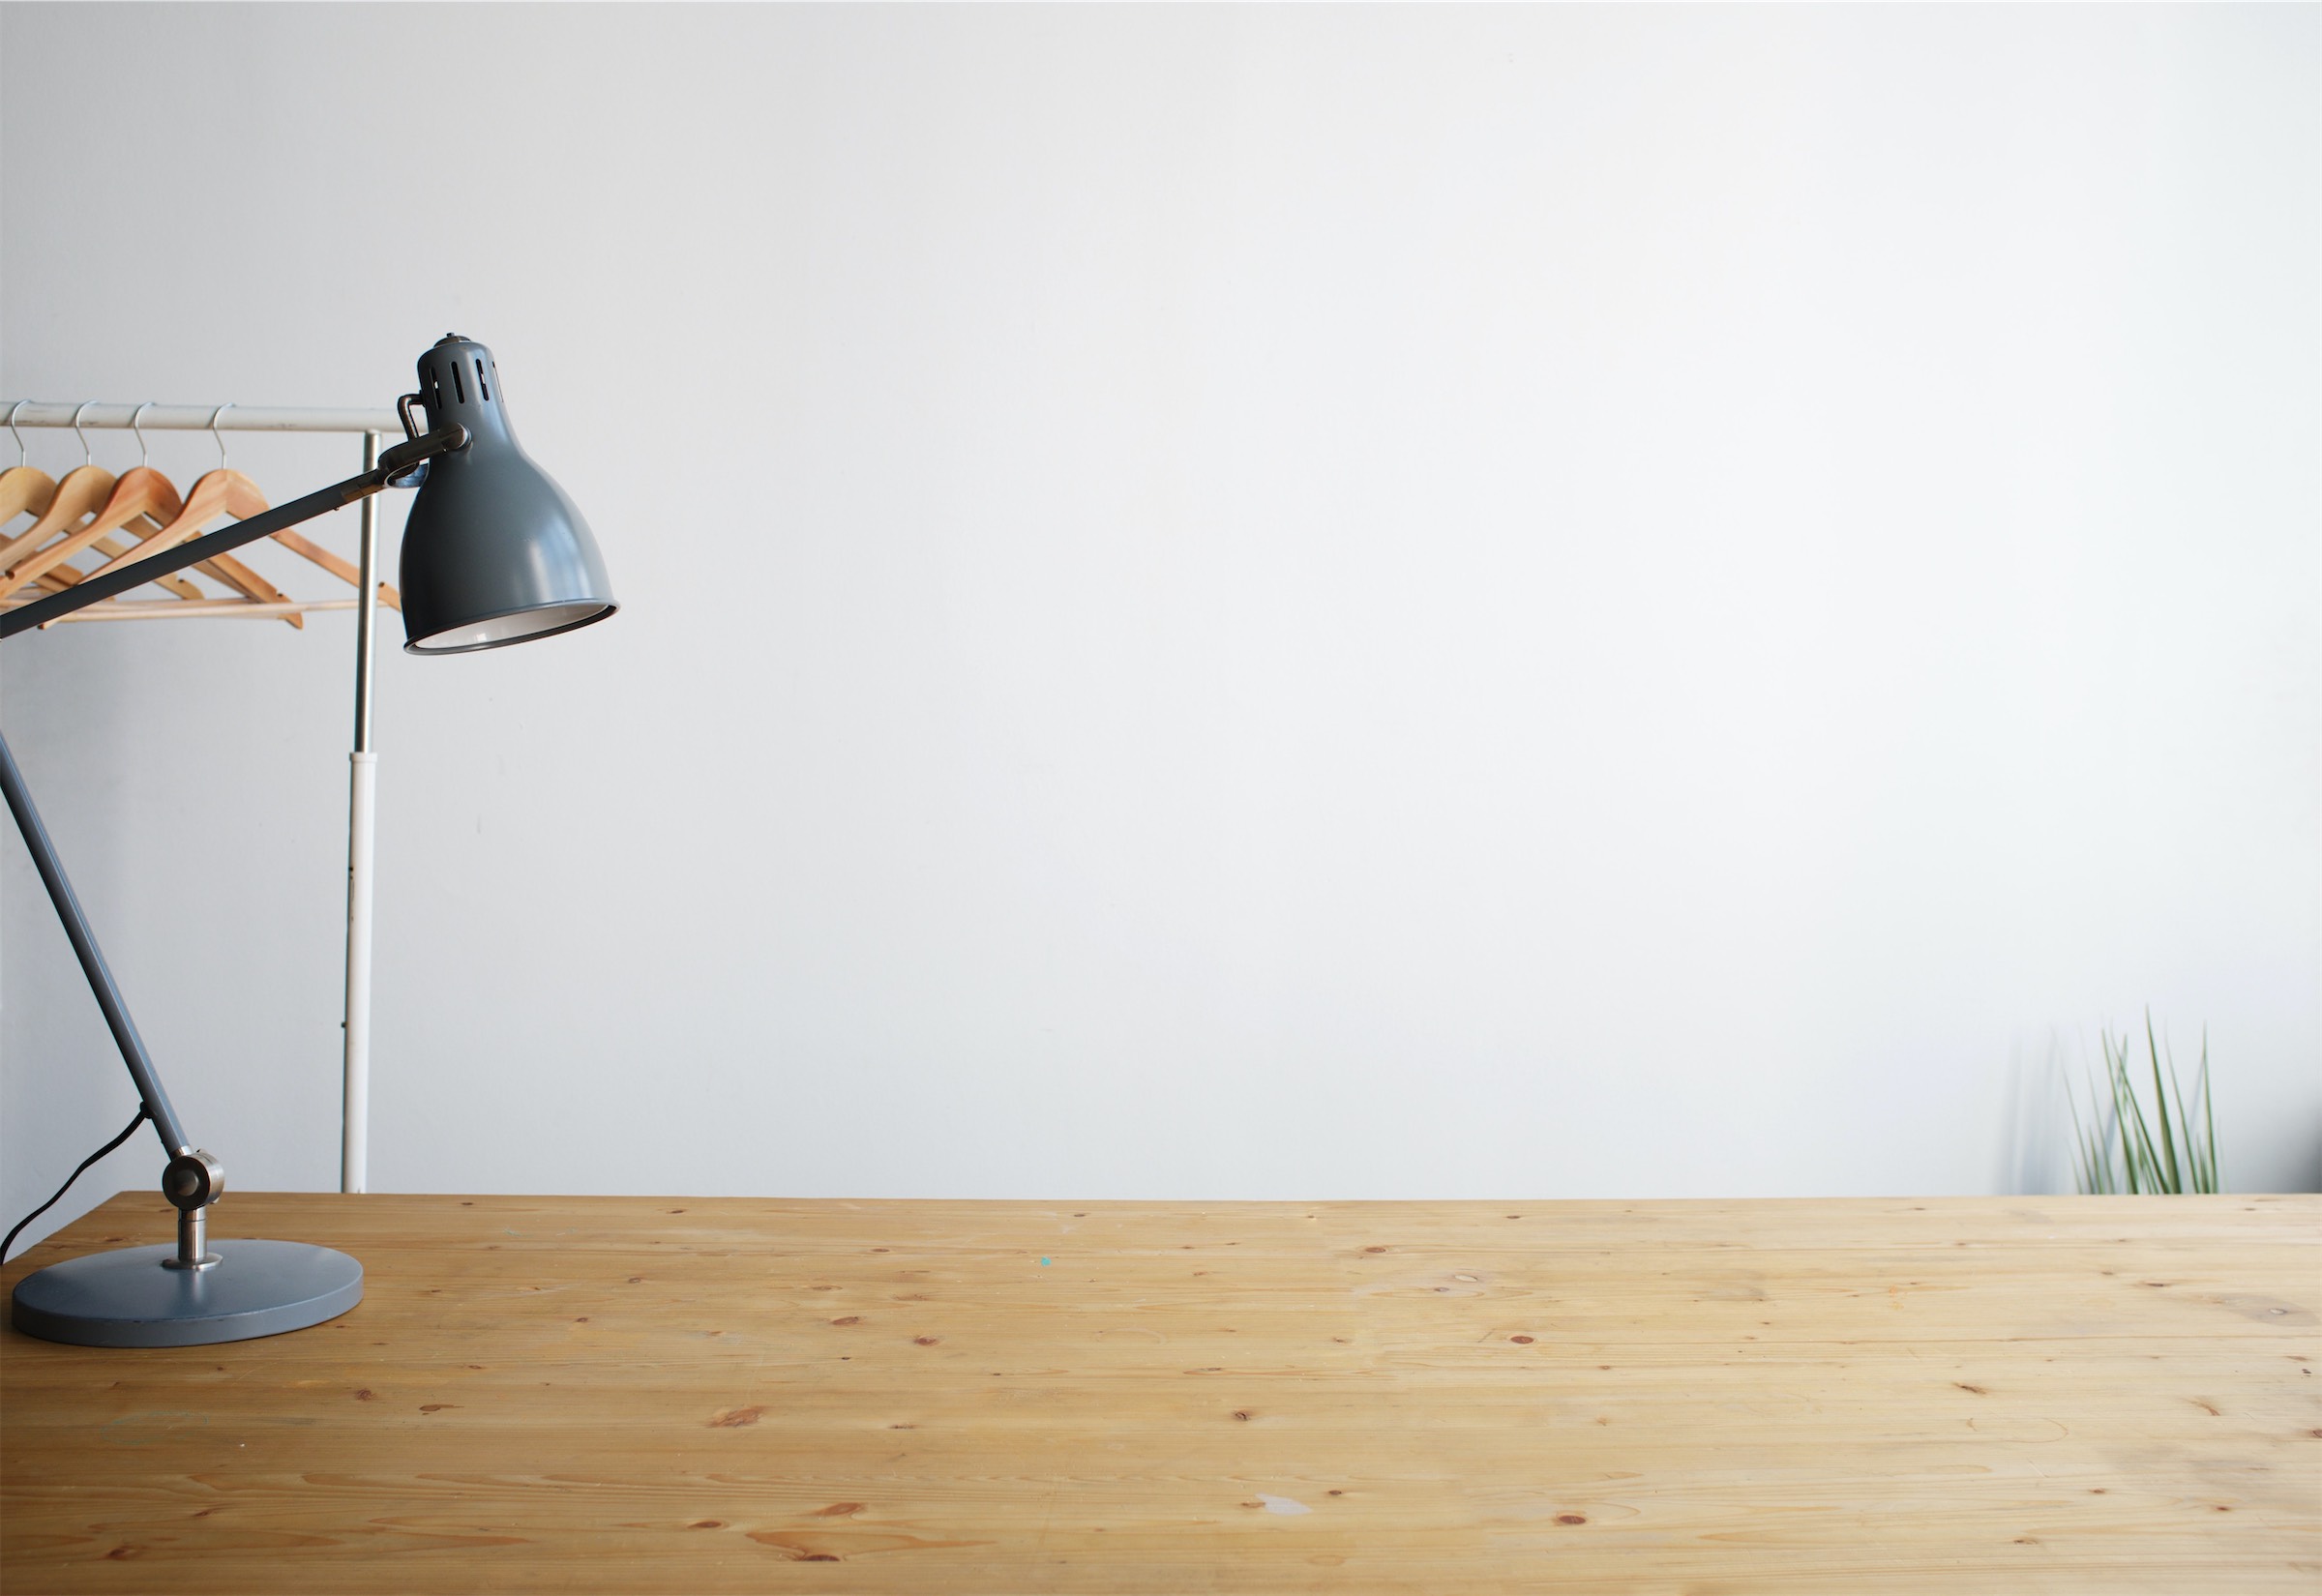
(714, 1395)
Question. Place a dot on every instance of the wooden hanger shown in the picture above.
(139, 494)
(24, 488)
(82, 495)
(57, 578)
(215, 494)
(151, 500)
(341, 568)
(228, 493)
(64, 577)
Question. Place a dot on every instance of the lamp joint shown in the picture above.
(406, 465)
(192, 1181)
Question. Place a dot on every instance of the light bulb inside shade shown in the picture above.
(510, 628)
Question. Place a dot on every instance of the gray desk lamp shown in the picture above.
(494, 553)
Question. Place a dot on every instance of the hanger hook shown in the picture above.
(86, 459)
(143, 458)
(214, 435)
(22, 458)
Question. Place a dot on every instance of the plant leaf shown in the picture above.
(2209, 1124)
(2166, 1168)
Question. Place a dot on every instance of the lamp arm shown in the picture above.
(92, 958)
(395, 463)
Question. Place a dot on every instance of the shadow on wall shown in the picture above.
(2309, 1175)
(2036, 1133)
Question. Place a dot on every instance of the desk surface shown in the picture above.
(708, 1394)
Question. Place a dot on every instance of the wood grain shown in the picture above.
(727, 1395)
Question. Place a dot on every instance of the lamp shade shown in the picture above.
(494, 552)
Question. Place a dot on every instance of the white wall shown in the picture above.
(1220, 603)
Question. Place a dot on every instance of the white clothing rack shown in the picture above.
(373, 426)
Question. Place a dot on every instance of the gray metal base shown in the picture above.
(128, 1299)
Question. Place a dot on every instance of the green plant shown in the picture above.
(2117, 1150)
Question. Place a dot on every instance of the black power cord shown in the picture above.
(126, 1131)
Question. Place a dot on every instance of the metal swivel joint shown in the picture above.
(192, 1182)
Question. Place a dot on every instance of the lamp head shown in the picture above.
(494, 552)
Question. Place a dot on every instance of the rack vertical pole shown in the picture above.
(354, 1154)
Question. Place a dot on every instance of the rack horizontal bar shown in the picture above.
(197, 418)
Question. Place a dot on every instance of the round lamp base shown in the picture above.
(129, 1299)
